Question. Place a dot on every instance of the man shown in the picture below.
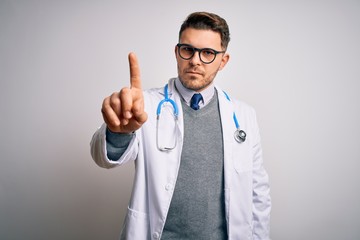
(196, 177)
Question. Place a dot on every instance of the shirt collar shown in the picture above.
(187, 94)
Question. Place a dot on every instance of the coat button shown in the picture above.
(168, 186)
(156, 235)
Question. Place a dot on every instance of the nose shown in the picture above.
(195, 60)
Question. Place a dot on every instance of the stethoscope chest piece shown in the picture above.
(240, 136)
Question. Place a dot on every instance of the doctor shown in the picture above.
(195, 176)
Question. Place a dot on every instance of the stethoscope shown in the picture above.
(239, 135)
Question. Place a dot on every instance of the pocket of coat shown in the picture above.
(136, 225)
(242, 157)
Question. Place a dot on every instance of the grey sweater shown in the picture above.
(197, 209)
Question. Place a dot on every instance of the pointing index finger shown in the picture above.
(135, 80)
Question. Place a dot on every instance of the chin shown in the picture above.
(189, 83)
(193, 82)
(193, 86)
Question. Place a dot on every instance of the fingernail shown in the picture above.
(124, 121)
(127, 115)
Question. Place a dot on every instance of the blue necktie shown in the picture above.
(196, 98)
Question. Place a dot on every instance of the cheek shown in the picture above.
(217, 67)
(221, 66)
(211, 70)
(180, 65)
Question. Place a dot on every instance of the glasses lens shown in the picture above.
(186, 52)
(207, 55)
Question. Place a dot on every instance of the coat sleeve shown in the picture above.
(261, 191)
(99, 153)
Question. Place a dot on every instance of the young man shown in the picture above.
(198, 175)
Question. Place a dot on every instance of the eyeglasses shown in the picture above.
(206, 55)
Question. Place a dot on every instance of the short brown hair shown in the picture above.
(208, 21)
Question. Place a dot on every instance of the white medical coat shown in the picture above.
(247, 199)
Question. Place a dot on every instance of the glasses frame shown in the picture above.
(179, 45)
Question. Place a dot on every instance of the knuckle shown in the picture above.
(114, 95)
(106, 101)
(124, 91)
(137, 109)
(115, 103)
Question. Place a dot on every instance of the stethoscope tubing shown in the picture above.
(239, 135)
(167, 99)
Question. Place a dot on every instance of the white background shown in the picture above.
(296, 62)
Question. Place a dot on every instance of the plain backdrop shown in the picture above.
(295, 62)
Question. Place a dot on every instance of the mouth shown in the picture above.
(193, 73)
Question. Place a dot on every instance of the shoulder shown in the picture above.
(238, 104)
(159, 92)
(244, 106)
(153, 91)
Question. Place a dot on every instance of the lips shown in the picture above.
(193, 72)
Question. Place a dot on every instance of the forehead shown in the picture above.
(201, 38)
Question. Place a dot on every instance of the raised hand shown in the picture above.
(123, 111)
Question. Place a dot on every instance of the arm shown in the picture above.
(100, 150)
(261, 193)
(117, 143)
(123, 113)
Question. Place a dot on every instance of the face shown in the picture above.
(193, 73)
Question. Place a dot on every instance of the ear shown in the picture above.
(175, 51)
(224, 61)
